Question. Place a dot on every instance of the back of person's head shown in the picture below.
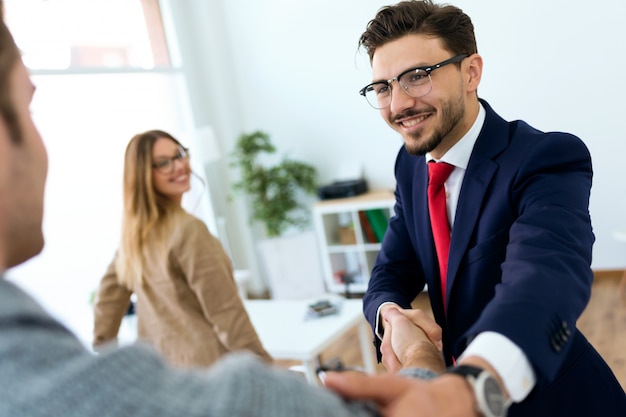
(145, 223)
(9, 56)
(448, 23)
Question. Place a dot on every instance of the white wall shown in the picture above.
(291, 68)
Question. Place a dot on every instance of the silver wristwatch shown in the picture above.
(490, 400)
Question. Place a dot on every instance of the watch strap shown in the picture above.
(465, 370)
(473, 375)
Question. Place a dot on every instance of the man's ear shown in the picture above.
(473, 71)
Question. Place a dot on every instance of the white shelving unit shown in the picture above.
(347, 254)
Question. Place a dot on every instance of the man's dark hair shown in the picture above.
(448, 23)
(9, 56)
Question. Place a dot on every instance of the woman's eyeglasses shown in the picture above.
(166, 165)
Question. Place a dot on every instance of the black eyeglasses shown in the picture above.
(166, 165)
(416, 82)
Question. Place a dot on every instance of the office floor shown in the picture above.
(603, 322)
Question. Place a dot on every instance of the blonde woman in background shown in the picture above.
(188, 306)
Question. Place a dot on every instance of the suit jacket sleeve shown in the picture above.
(546, 277)
(51, 374)
(398, 274)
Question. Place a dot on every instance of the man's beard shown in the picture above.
(451, 114)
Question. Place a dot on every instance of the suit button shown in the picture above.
(565, 333)
(556, 344)
(560, 335)
(566, 329)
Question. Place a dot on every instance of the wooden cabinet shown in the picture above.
(349, 232)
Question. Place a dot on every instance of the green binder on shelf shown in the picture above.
(378, 221)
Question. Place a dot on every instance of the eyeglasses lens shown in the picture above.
(166, 165)
(416, 83)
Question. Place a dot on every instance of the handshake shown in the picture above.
(411, 339)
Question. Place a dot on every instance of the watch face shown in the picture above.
(494, 397)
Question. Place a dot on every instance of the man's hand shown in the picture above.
(398, 396)
(426, 323)
(406, 345)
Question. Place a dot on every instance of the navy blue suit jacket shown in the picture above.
(519, 261)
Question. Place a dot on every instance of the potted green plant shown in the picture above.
(277, 196)
(274, 190)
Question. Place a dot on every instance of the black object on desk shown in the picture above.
(342, 189)
(322, 308)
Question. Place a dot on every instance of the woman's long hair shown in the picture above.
(148, 215)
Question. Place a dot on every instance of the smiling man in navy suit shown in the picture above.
(514, 275)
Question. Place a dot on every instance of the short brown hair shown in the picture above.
(9, 56)
(448, 23)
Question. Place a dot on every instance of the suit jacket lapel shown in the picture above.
(492, 140)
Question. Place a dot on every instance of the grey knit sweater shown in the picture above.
(46, 371)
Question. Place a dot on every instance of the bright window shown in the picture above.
(103, 73)
(65, 34)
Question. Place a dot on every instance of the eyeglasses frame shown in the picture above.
(427, 69)
(183, 153)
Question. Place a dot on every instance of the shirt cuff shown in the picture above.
(378, 329)
(507, 359)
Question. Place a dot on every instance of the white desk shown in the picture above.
(286, 334)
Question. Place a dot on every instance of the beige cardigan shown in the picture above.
(193, 313)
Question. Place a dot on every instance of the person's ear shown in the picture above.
(473, 70)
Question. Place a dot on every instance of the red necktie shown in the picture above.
(438, 173)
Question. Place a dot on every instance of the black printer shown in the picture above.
(342, 189)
